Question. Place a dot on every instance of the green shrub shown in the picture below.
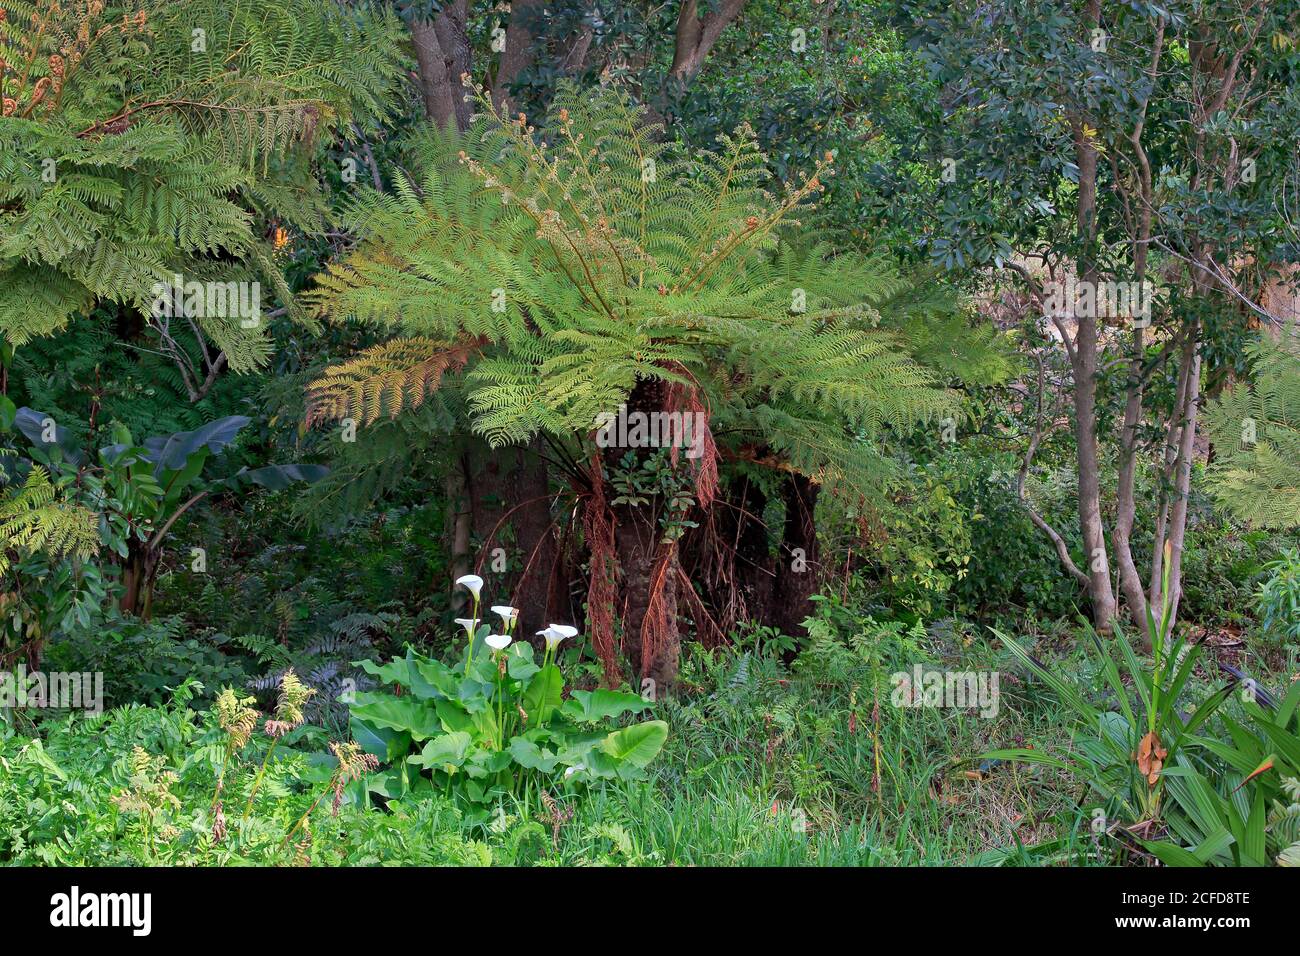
(1165, 784)
(1279, 599)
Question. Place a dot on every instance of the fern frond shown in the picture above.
(385, 380)
(1256, 431)
(33, 519)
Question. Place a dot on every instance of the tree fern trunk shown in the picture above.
(798, 559)
(457, 528)
(509, 499)
(741, 573)
(648, 569)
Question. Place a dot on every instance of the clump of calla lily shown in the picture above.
(502, 728)
(553, 635)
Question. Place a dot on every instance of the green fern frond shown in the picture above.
(596, 256)
(1256, 434)
(33, 519)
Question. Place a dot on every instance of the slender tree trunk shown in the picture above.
(1084, 362)
(1183, 482)
(1126, 504)
(1130, 578)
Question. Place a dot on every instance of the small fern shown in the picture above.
(34, 519)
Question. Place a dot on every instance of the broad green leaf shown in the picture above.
(528, 754)
(519, 661)
(384, 742)
(447, 751)
(453, 716)
(593, 706)
(636, 745)
(544, 694)
(394, 672)
(399, 713)
(431, 679)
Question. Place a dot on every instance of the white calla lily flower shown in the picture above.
(498, 642)
(570, 771)
(472, 582)
(507, 613)
(467, 623)
(557, 633)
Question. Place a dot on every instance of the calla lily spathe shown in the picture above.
(498, 642)
(472, 582)
(507, 613)
(557, 633)
(467, 623)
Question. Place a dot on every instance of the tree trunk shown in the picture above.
(1084, 361)
(138, 571)
(798, 558)
(518, 54)
(1131, 583)
(649, 567)
(695, 37)
(457, 526)
(1183, 481)
(509, 501)
(442, 56)
(755, 575)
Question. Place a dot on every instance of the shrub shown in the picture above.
(1279, 599)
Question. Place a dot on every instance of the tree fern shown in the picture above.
(561, 269)
(145, 138)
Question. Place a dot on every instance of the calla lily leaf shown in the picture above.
(384, 742)
(394, 672)
(528, 754)
(589, 707)
(446, 751)
(431, 679)
(636, 745)
(519, 662)
(545, 692)
(398, 713)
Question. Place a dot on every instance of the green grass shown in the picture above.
(765, 765)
